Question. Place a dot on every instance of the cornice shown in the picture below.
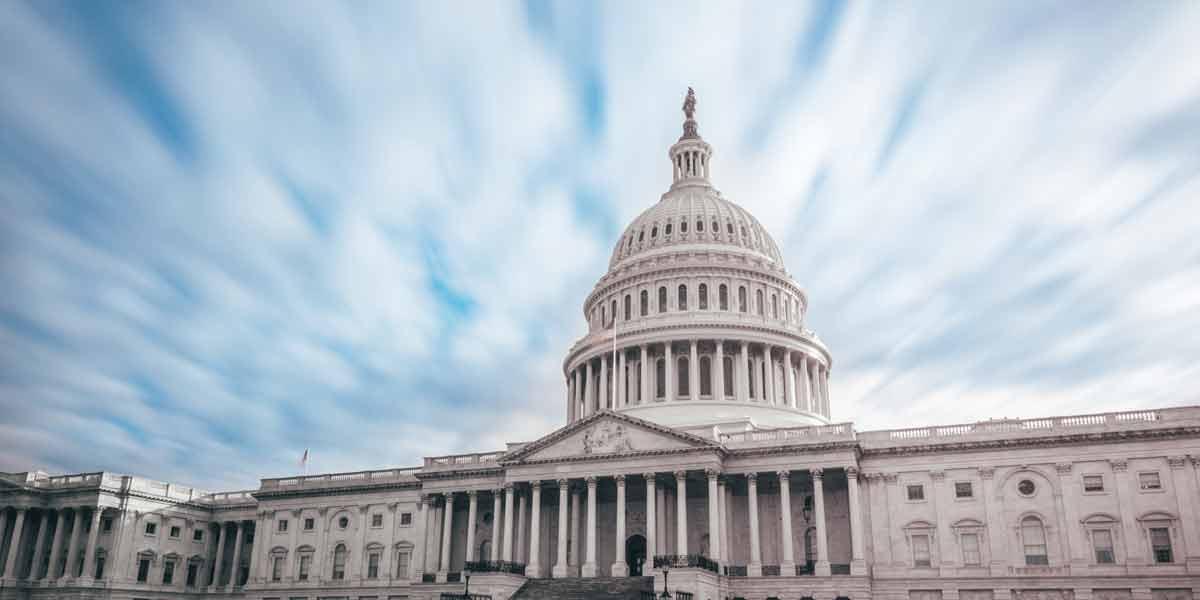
(1034, 442)
(335, 490)
(461, 473)
(794, 450)
(715, 451)
(674, 267)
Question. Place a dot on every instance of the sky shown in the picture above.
(231, 231)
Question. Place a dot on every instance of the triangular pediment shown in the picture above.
(608, 434)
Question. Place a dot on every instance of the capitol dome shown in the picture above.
(696, 324)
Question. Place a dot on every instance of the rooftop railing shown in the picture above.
(336, 479)
(462, 460)
(1030, 427)
(813, 433)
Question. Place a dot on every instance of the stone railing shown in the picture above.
(799, 435)
(462, 461)
(494, 566)
(239, 497)
(686, 561)
(1001, 428)
(340, 479)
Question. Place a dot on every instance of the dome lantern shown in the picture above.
(691, 154)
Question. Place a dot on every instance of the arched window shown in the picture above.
(339, 562)
(715, 228)
(660, 378)
(683, 226)
(728, 375)
(645, 303)
(758, 296)
(681, 378)
(703, 292)
(603, 317)
(742, 298)
(705, 376)
(641, 236)
(699, 226)
(668, 230)
(613, 315)
(654, 232)
(1033, 539)
(628, 307)
(682, 297)
(723, 296)
(662, 299)
(774, 306)
(752, 378)
(729, 228)
(787, 309)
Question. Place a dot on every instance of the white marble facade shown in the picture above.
(698, 431)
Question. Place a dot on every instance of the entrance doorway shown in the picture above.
(635, 555)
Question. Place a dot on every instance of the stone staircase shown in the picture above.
(585, 588)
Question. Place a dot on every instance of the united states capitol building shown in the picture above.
(698, 455)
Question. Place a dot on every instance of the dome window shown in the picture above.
(654, 232)
(705, 375)
(662, 299)
(613, 314)
(683, 227)
(723, 297)
(682, 389)
(758, 296)
(645, 303)
(715, 227)
(699, 226)
(774, 306)
(702, 291)
(742, 298)
(668, 230)
(743, 231)
(641, 235)
(729, 228)
(628, 307)
(682, 300)
(660, 378)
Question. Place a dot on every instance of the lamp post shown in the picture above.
(466, 585)
(666, 595)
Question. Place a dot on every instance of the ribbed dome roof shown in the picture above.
(694, 215)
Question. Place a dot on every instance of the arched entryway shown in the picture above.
(635, 555)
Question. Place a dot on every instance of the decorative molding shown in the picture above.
(1177, 462)
(1063, 468)
(784, 475)
(1119, 465)
(987, 472)
(817, 473)
(937, 476)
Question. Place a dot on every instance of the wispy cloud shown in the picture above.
(232, 232)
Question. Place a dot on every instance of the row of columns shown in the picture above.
(805, 379)
(719, 498)
(16, 558)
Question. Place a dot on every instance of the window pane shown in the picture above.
(920, 550)
(1160, 541)
(962, 489)
(1034, 538)
(1149, 481)
(1102, 541)
(916, 492)
(970, 548)
(1093, 483)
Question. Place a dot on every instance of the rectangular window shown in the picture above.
(970, 549)
(174, 532)
(373, 565)
(143, 570)
(191, 575)
(1160, 542)
(963, 489)
(1102, 542)
(920, 545)
(276, 568)
(305, 564)
(916, 492)
(106, 524)
(377, 520)
(281, 525)
(168, 572)
(309, 523)
(402, 560)
(151, 528)
(198, 535)
(405, 519)
(99, 567)
(1093, 483)
(1149, 481)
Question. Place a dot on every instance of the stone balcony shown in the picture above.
(817, 434)
(339, 480)
(456, 462)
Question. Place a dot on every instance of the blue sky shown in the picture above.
(231, 231)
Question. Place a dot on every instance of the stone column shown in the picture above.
(714, 520)
(560, 565)
(73, 544)
(754, 569)
(424, 515)
(571, 398)
(825, 391)
(660, 508)
(237, 554)
(496, 516)
(718, 372)
(14, 547)
(1183, 475)
(573, 559)
(651, 522)
(620, 400)
(472, 511)
(743, 383)
(802, 395)
(256, 551)
(789, 376)
(644, 380)
(589, 565)
(681, 524)
(787, 566)
(218, 562)
(1068, 507)
(519, 550)
(858, 563)
(668, 373)
(447, 535)
(723, 519)
(693, 371)
(578, 406)
(508, 522)
(997, 530)
(39, 545)
(619, 567)
(1134, 552)
(822, 566)
(768, 375)
(89, 557)
(589, 392)
(939, 500)
(56, 546)
(534, 566)
(602, 400)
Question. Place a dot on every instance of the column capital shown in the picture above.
(563, 483)
(1063, 469)
(535, 484)
(650, 477)
(987, 472)
(752, 478)
(817, 473)
(784, 475)
(720, 343)
(590, 480)
(1177, 462)
(680, 475)
(472, 494)
(620, 479)
(892, 478)
(498, 491)
(852, 472)
(1119, 465)
(712, 474)
(937, 475)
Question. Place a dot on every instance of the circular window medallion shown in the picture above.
(1026, 487)
(343, 522)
